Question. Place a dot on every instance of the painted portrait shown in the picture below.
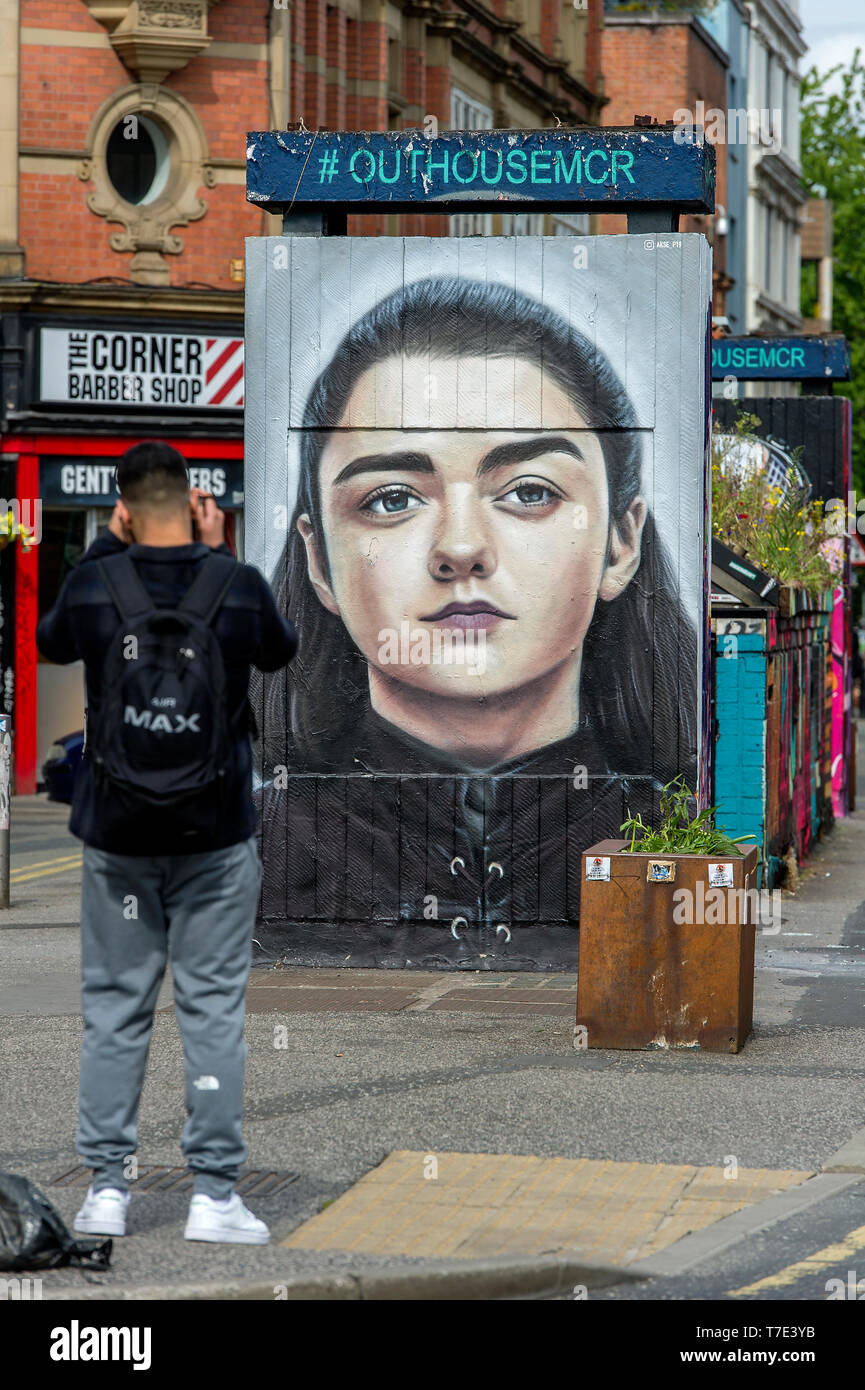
(499, 658)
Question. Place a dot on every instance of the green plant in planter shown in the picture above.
(679, 832)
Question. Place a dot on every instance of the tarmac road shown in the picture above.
(451, 1065)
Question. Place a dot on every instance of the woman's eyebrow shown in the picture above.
(405, 462)
(524, 450)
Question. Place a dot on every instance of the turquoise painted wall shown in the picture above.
(740, 748)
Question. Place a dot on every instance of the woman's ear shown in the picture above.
(623, 559)
(315, 567)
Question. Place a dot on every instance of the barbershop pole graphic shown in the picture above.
(476, 480)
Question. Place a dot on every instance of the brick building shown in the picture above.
(658, 64)
(123, 218)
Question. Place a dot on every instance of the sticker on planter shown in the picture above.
(598, 868)
(721, 875)
(661, 871)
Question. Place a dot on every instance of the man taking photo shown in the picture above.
(167, 624)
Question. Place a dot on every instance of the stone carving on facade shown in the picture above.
(154, 37)
(147, 226)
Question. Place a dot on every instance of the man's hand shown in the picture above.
(117, 526)
(208, 522)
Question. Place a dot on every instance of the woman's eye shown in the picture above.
(531, 495)
(391, 502)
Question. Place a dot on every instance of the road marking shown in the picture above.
(18, 877)
(813, 1264)
(44, 863)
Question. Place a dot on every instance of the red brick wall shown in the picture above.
(62, 88)
(656, 70)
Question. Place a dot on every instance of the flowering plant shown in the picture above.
(12, 530)
(778, 528)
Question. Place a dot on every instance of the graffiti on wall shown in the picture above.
(475, 481)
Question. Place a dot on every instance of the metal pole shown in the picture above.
(5, 804)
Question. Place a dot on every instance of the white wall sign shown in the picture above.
(100, 367)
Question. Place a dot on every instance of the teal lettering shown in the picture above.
(738, 357)
(414, 155)
(538, 155)
(782, 357)
(433, 165)
(568, 173)
(499, 171)
(382, 175)
(355, 157)
(752, 357)
(797, 355)
(472, 154)
(519, 157)
(765, 356)
(620, 156)
(602, 154)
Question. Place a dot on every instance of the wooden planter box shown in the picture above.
(649, 977)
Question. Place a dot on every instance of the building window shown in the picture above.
(147, 168)
(768, 276)
(137, 159)
(574, 224)
(522, 224)
(469, 114)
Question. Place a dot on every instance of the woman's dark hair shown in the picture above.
(636, 644)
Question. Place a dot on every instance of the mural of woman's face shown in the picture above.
(497, 539)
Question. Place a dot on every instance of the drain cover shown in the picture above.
(252, 1182)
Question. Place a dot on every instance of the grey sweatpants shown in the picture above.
(198, 912)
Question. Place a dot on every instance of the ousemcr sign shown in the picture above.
(102, 367)
(797, 358)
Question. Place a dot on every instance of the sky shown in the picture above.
(833, 29)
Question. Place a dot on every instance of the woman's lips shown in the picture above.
(475, 616)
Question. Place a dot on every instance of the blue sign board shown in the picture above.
(588, 168)
(781, 359)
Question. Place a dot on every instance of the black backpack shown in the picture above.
(33, 1234)
(162, 740)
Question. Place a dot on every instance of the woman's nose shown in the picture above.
(462, 547)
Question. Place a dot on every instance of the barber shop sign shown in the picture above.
(102, 367)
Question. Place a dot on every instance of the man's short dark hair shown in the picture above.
(153, 474)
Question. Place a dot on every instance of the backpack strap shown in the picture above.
(208, 589)
(125, 586)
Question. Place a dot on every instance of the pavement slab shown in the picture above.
(471, 1206)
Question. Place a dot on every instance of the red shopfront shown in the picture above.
(61, 475)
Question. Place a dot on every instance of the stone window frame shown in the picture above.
(147, 227)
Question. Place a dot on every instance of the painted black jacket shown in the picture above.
(414, 860)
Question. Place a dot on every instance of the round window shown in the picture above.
(137, 159)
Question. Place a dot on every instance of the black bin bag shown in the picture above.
(33, 1234)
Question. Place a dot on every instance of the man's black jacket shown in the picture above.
(250, 631)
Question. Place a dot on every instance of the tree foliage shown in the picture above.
(833, 164)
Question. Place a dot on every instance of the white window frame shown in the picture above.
(467, 113)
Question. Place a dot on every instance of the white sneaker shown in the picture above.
(228, 1221)
(103, 1212)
